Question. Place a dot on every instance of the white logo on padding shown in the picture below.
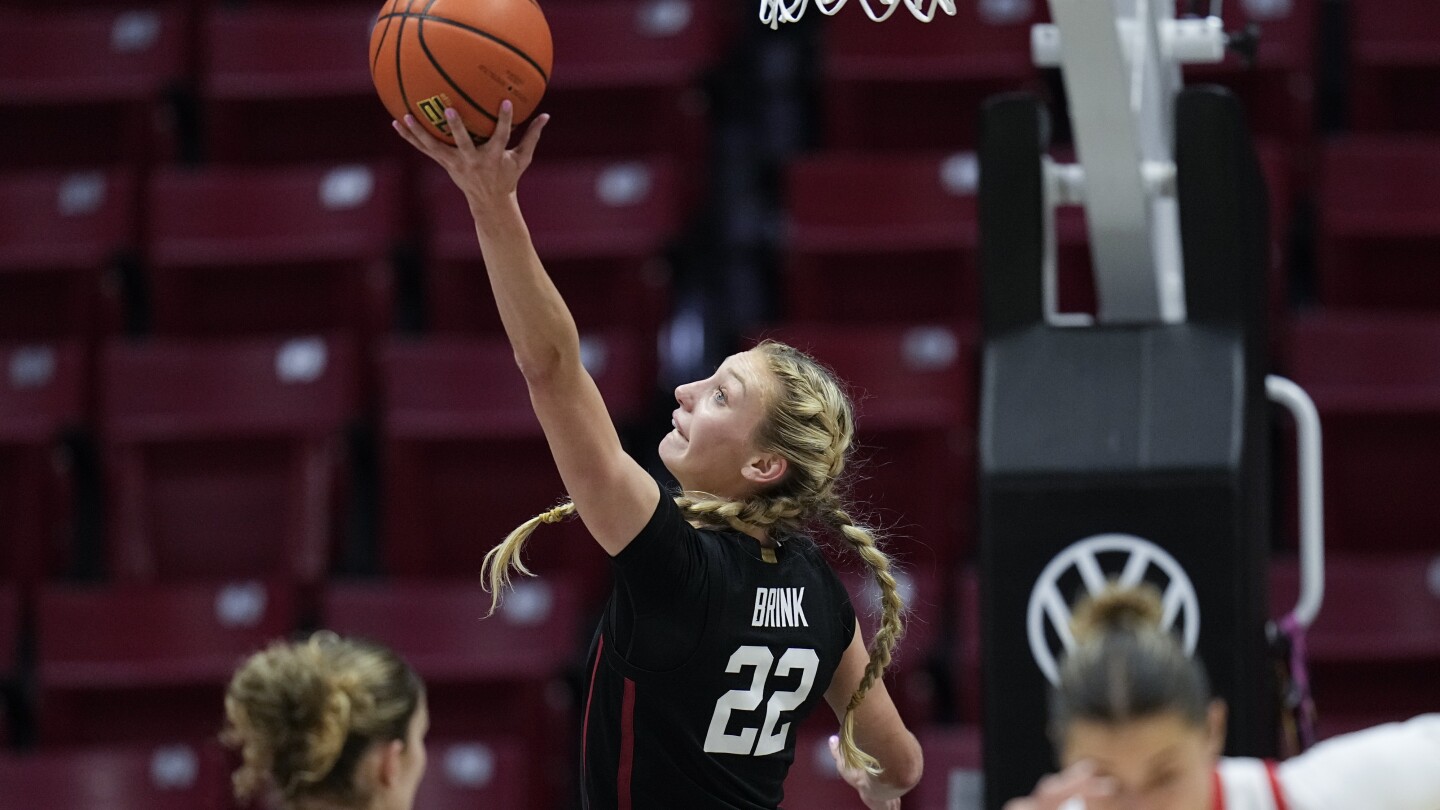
(1094, 562)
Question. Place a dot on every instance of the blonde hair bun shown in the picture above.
(1125, 609)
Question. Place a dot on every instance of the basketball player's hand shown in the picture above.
(487, 173)
(875, 795)
(1075, 782)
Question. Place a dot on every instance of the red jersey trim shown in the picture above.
(627, 746)
(1275, 786)
(589, 696)
(1218, 787)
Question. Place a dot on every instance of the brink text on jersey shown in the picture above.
(779, 607)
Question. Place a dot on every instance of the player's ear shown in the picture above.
(387, 765)
(765, 469)
(1216, 717)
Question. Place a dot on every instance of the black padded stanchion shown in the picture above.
(1123, 452)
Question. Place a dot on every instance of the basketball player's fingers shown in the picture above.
(500, 138)
(463, 141)
(526, 150)
(404, 132)
(426, 143)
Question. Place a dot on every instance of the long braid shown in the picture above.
(495, 568)
(882, 646)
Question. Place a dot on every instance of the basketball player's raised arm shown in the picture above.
(613, 494)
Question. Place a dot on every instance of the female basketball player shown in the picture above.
(1134, 724)
(726, 626)
(328, 723)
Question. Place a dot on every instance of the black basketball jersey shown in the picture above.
(711, 652)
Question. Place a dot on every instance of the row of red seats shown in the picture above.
(145, 664)
(243, 444)
(463, 774)
(229, 251)
(879, 74)
(276, 250)
(276, 82)
(849, 213)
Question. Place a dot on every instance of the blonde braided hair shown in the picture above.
(810, 422)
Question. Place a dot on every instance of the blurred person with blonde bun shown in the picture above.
(327, 724)
(1135, 726)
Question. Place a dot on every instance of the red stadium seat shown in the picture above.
(147, 663)
(965, 665)
(1376, 382)
(464, 774)
(275, 250)
(88, 87)
(42, 397)
(915, 395)
(905, 84)
(627, 77)
(160, 777)
(1278, 90)
(910, 677)
(500, 675)
(952, 776)
(1379, 213)
(1394, 75)
(60, 232)
(465, 461)
(893, 238)
(1375, 646)
(10, 618)
(280, 83)
(601, 228)
(225, 460)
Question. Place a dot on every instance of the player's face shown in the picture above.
(715, 422)
(1161, 762)
(412, 758)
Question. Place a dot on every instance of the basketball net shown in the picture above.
(774, 12)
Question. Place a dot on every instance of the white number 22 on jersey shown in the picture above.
(770, 741)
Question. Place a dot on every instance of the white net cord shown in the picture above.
(775, 12)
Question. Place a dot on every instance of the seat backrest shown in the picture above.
(10, 617)
(902, 377)
(1381, 184)
(1377, 607)
(613, 43)
(985, 39)
(1367, 361)
(135, 636)
(65, 219)
(173, 390)
(465, 774)
(470, 388)
(43, 391)
(225, 459)
(441, 629)
(165, 777)
(1396, 33)
(80, 56)
(264, 52)
(228, 217)
(882, 203)
(575, 209)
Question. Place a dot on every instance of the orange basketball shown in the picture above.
(426, 55)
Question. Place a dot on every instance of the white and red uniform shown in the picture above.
(1395, 766)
